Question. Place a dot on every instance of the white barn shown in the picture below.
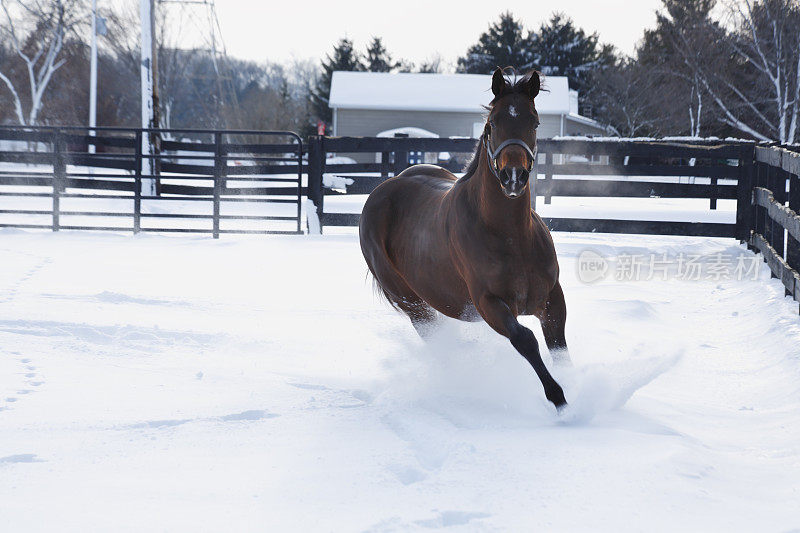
(449, 105)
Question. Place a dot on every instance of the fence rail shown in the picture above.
(564, 168)
(211, 181)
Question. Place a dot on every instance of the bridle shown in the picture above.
(508, 142)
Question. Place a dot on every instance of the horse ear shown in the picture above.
(498, 82)
(532, 84)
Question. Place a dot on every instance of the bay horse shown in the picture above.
(472, 247)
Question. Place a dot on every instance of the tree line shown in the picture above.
(45, 70)
(705, 69)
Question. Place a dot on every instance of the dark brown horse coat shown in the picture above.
(473, 248)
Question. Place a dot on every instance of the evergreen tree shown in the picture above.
(561, 49)
(344, 57)
(504, 44)
(378, 59)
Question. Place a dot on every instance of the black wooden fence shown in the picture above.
(769, 220)
(576, 168)
(204, 181)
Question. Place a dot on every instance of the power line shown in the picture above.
(200, 17)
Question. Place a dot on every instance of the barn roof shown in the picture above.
(433, 92)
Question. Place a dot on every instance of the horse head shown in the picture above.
(509, 136)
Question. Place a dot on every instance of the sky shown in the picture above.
(412, 29)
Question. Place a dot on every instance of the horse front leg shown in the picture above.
(553, 319)
(501, 319)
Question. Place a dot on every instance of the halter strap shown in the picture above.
(494, 155)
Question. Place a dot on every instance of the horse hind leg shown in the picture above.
(423, 317)
(553, 319)
(395, 289)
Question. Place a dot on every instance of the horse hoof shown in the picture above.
(561, 359)
(560, 403)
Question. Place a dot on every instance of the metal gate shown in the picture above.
(200, 181)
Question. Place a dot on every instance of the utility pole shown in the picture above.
(93, 78)
(150, 140)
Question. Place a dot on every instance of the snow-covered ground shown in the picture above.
(162, 383)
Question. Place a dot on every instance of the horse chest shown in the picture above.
(520, 293)
(512, 266)
(519, 284)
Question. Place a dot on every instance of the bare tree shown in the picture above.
(769, 40)
(434, 64)
(683, 38)
(753, 73)
(36, 31)
(629, 99)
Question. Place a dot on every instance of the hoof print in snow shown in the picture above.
(248, 415)
(308, 386)
(161, 423)
(21, 458)
(451, 518)
(408, 475)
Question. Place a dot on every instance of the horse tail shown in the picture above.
(380, 291)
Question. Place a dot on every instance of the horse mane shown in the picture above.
(515, 84)
(472, 165)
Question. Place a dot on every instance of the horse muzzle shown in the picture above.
(513, 181)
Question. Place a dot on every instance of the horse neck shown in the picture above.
(507, 215)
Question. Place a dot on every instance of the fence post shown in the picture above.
(792, 245)
(713, 200)
(548, 176)
(400, 161)
(137, 183)
(218, 162)
(299, 184)
(316, 161)
(401, 157)
(744, 193)
(384, 166)
(59, 177)
(778, 187)
(760, 172)
(768, 184)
